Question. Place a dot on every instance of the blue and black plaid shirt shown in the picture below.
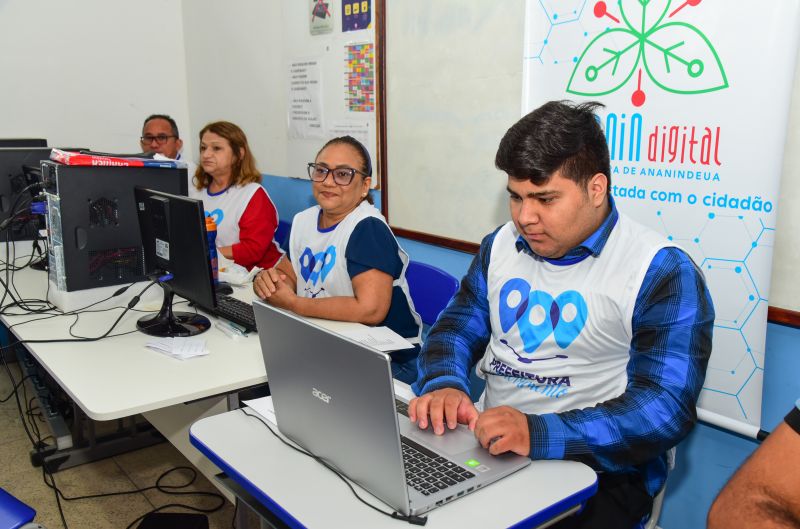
(672, 328)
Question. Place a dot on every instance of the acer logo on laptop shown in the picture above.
(324, 397)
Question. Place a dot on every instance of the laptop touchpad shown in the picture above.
(451, 443)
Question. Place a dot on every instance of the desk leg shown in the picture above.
(40, 384)
(71, 447)
(174, 421)
(233, 401)
(250, 513)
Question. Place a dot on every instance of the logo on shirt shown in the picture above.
(551, 387)
(217, 215)
(537, 315)
(314, 268)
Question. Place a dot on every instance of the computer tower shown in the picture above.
(93, 229)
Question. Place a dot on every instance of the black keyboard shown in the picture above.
(237, 311)
(428, 472)
(401, 407)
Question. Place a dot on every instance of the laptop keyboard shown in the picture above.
(237, 311)
(429, 472)
(401, 407)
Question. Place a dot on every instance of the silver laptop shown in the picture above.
(335, 398)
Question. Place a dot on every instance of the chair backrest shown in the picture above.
(431, 289)
(282, 234)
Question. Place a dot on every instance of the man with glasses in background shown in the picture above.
(160, 135)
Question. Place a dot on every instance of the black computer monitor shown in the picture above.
(13, 181)
(176, 246)
(23, 142)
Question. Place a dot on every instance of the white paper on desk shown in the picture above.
(263, 406)
(233, 273)
(178, 163)
(180, 348)
(381, 338)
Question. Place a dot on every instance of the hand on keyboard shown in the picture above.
(442, 407)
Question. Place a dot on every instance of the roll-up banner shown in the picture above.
(696, 96)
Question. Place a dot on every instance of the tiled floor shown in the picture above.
(137, 469)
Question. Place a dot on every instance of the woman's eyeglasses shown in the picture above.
(341, 175)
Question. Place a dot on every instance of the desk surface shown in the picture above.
(118, 377)
(288, 482)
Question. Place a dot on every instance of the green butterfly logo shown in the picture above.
(676, 56)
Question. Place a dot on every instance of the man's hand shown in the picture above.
(443, 406)
(504, 429)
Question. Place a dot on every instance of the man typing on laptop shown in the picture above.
(592, 332)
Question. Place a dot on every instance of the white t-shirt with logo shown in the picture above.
(226, 208)
(561, 334)
(319, 261)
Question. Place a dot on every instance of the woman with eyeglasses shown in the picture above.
(344, 262)
(229, 185)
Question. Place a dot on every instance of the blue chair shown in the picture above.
(282, 234)
(14, 514)
(431, 290)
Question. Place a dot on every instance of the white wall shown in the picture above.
(235, 72)
(452, 91)
(87, 73)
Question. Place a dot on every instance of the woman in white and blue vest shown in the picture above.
(344, 263)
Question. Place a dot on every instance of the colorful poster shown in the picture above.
(356, 14)
(360, 77)
(697, 98)
(321, 17)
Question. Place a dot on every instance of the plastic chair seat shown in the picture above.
(13, 513)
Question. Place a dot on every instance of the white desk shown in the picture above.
(119, 377)
(302, 493)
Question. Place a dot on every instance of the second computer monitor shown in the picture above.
(13, 201)
(176, 248)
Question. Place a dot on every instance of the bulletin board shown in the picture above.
(331, 71)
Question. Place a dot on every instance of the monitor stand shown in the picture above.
(41, 264)
(167, 324)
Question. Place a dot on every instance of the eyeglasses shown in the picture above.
(161, 139)
(341, 175)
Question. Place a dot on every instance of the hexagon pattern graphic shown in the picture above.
(734, 255)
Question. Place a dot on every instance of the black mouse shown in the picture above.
(223, 289)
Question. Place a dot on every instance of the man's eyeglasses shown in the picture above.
(341, 175)
(161, 139)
